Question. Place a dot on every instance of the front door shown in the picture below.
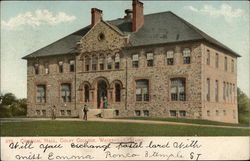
(101, 93)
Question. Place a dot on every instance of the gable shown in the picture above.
(102, 37)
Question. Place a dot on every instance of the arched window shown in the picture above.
(117, 61)
(109, 64)
(186, 56)
(87, 63)
(86, 93)
(117, 92)
(94, 63)
(101, 62)
(178, 91)
(142, 93)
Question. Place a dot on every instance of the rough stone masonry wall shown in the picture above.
(159, 80)
(52, 81)
(226, 109)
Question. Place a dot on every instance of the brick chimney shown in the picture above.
(96, 16)
(138, 16)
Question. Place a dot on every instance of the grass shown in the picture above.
(82, 128)
(193, 121)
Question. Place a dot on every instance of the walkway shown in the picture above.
(118, 120)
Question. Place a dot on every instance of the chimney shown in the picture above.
(138, 16)
(129, 14)
(96, 16)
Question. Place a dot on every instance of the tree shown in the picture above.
(243, 107)
(11, 106)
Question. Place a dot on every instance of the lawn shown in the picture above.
(184, 120)
(82, 128)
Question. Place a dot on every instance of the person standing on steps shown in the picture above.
(85, 112)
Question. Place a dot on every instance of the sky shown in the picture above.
(29, 26)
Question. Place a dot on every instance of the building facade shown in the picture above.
(155, 65)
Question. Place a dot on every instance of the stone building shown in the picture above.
(155, 65)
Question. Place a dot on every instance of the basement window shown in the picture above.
(173, 113)
(137, 113)
(146, 112)
(183, 113)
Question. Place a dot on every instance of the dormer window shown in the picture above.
(170, 57)
(150, 59)
(186, 56)
(117, 61)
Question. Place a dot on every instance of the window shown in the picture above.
(224, 112)
(60, 66)
(135, 61)
(87, 63)
(86, 93)
(62, 112)
(186, 56)
(101, 62)
(232, 65)
(208, 113)
(137, 113)
(208, 89)
(146, 112)
(46, 68)
(227, 90)
(230, 91)
(41, 93)
(178, 89)
(36, 67)
(183, 113)
(94, 63)
(217, 112)
(170, 57)
(44, 112)
(217, 60)
(216, 91)
(117, 61)
(71, 65)
(208, 57)
(69, 112)
(116, 112)
(224, 91)
(142, 90)
(117, 92)
(233, 93)
(38, 112)
(109, 62)
(150, 59)
(173, 113)
(225, 63)
(66, 92)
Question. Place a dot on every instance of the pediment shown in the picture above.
(102, 37)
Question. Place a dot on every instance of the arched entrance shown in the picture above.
(101, 93)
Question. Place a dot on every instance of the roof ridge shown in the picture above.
(202, 33)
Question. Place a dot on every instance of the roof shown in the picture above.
(158, 28)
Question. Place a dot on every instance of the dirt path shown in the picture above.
(119, 120)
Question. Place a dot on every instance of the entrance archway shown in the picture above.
(101, 93)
